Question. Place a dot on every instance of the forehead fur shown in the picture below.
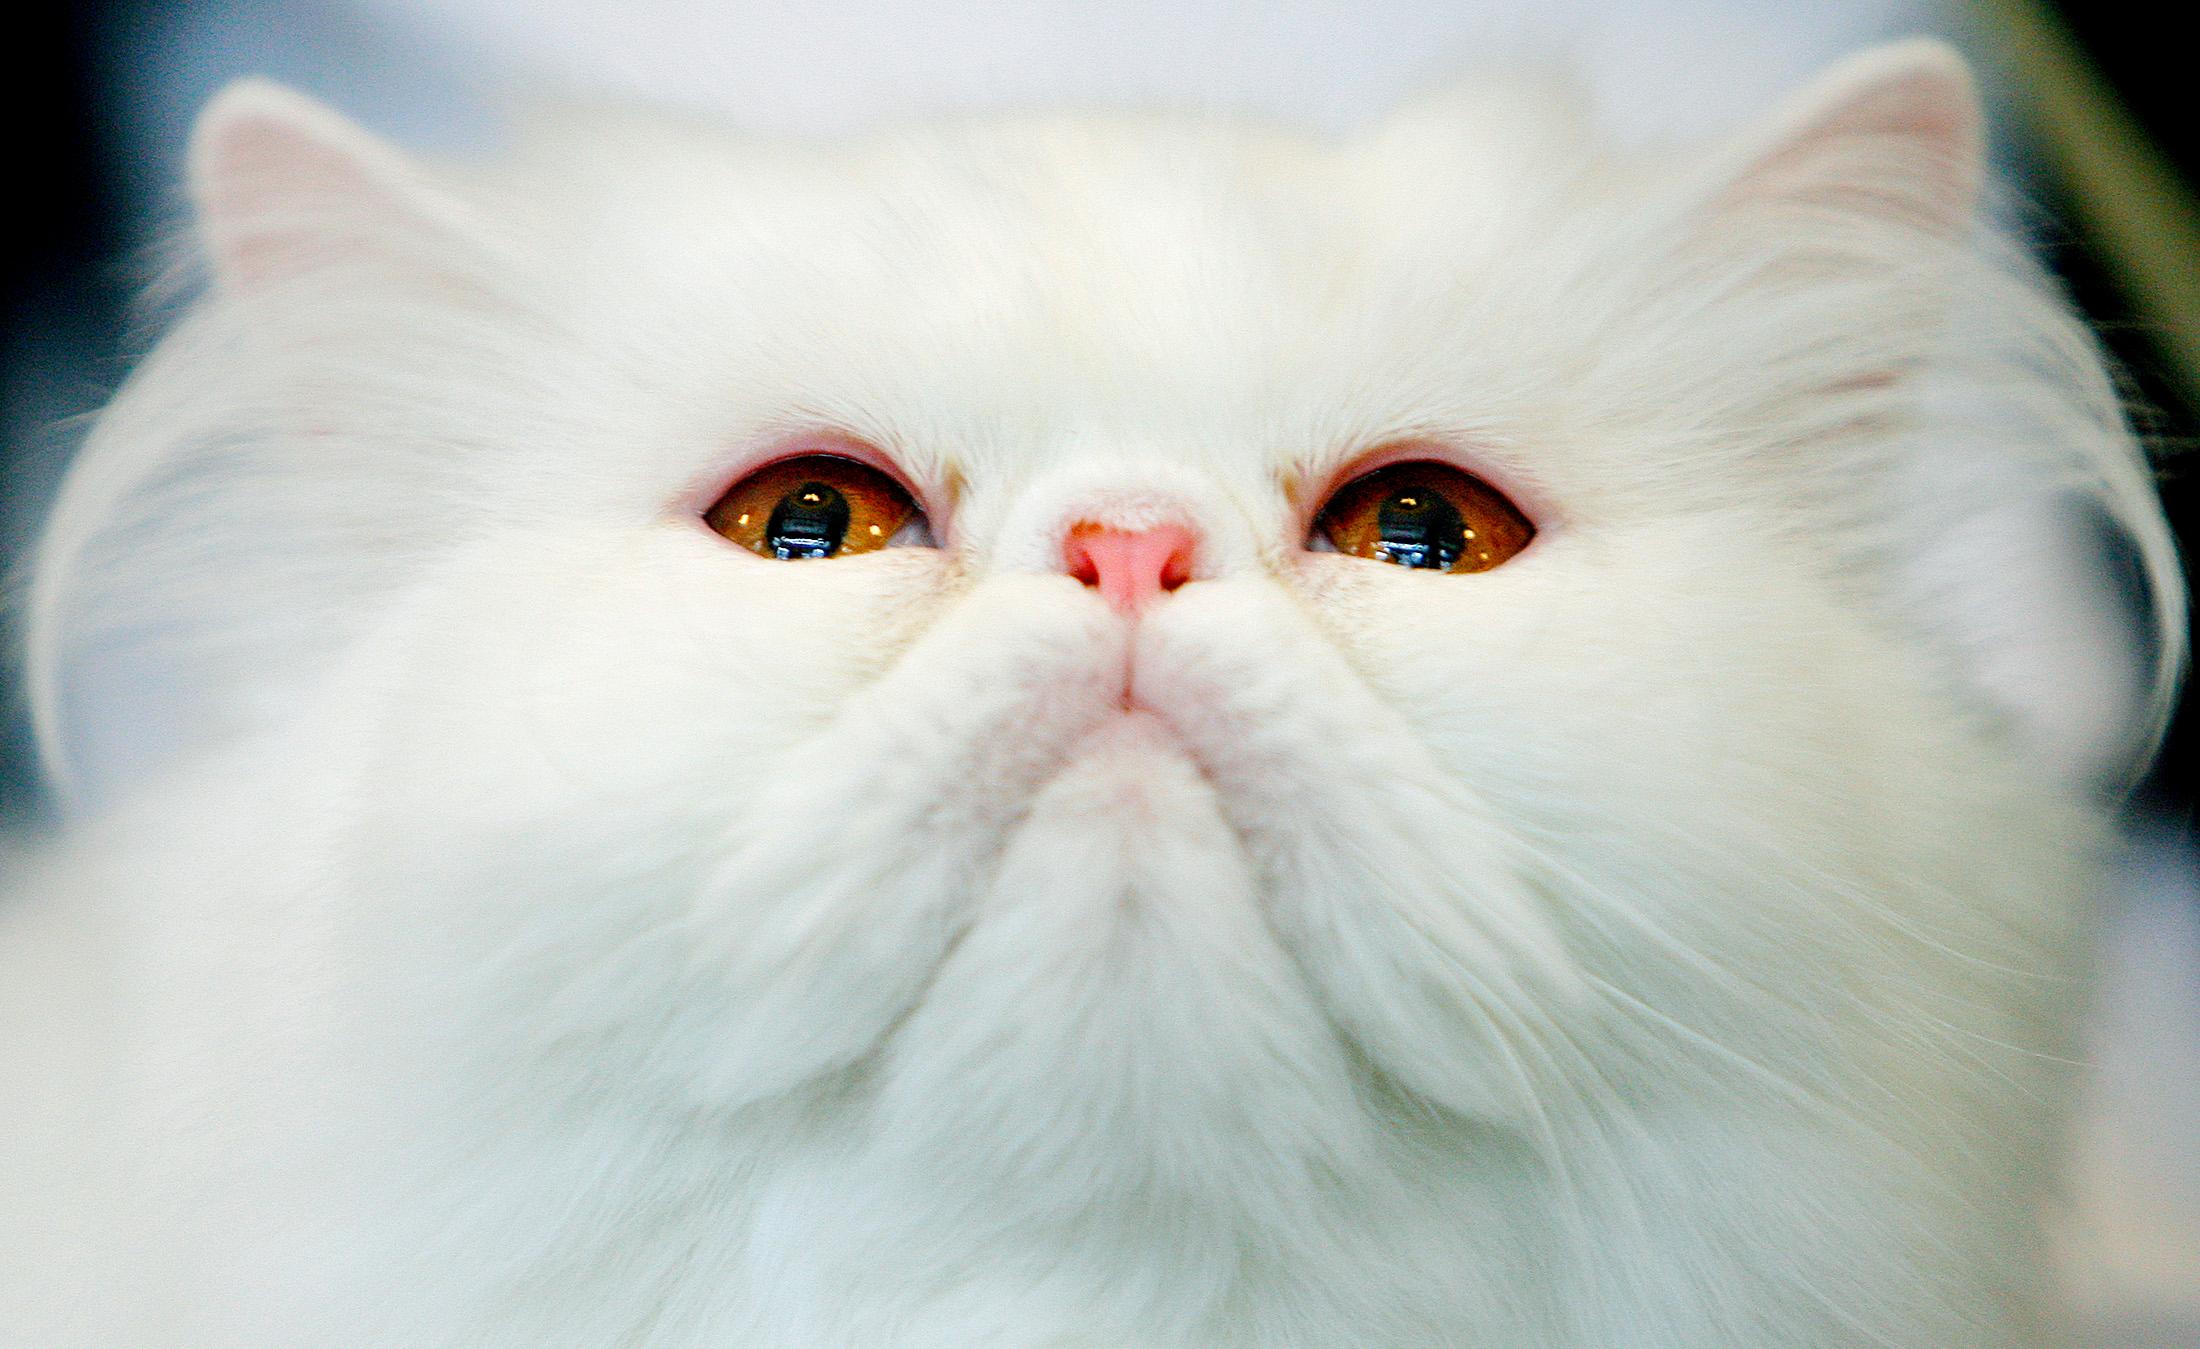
(1223, 293)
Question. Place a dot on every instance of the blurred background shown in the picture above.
(2093, 132)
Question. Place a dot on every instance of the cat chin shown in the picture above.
(1119, 997)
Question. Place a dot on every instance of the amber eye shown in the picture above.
(1423, 515)
(817, 506)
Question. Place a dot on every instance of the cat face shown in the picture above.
(870, 771)
(1297, 834)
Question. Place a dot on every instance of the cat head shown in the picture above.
(1134, 763)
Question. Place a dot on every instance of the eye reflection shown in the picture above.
(810, 521)
(1417, 528)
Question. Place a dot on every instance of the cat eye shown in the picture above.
(1424, 515)
(818, 505)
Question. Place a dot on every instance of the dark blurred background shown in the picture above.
(97, 92)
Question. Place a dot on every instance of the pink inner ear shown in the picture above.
(1898, 132)
(284, 185)
(266, 192)
(1932, 112)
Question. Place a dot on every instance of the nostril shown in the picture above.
(1130, 567)
(1080, 561)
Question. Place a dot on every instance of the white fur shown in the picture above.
(545, 923)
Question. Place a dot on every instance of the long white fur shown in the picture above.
(543, 923)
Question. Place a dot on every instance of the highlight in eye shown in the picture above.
(1424, 515)
(817, 506)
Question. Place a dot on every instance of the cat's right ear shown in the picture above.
(285, 187)
(218, 535)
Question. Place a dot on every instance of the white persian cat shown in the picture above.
(1070, 731)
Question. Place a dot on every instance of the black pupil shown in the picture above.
(1418, 528)
(810, 521)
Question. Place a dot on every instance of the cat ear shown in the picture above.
(285, 186)
(1894, 133)
(271, 470)
(2018, 502)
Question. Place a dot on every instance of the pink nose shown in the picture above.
(1129, 567)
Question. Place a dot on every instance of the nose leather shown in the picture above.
(1129, 567)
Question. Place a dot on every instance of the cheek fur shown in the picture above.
(703, 852)
(1389, 878)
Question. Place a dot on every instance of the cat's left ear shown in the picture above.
(2011, 495)
(286, 187)
(1894, 133)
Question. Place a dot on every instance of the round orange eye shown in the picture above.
(819, 505)
(1424, 515)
